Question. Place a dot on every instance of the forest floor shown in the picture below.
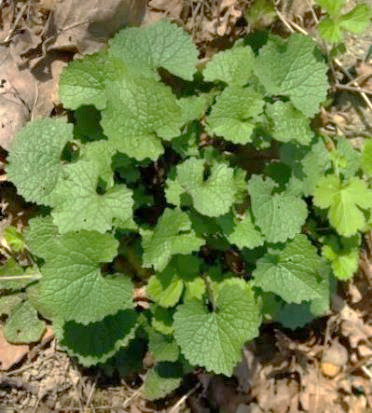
(324, 367)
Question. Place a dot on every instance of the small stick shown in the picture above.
(284, 21)
(364, 96)
(15, 24)
(353, 89)
(131, 397)
(182, 400)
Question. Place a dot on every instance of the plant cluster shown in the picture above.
(183, 205)
(333, 25)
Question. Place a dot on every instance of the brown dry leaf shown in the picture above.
(13, 115)
(335, 355)
(254, 408)
(364, 74)
(353, 326)
(86, 25)
(17, 95)
(24, 41)
(210, 19)
(47, 75)
(280, 396)
(10, 354)
(170, 8)
(318, 393)
(356, 404)
(296, 8)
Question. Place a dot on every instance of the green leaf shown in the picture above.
(23, 325)
(161, 44)
(298, 315)
(289, 124)
(100, 153)
(279, 215)
(138, 111)
(367, 157)
(40, 232)
(295, 315)
(195, 288)
(333, 7)
(330, 30)
(166, 288)
(241, 232)
(345, 202)
(13, 276)
(320, 306)
(13, 239)
(72, 287)
(358, 19)
(213, 196)
(35, 165)
(8, 303)
(87, 126)
(308, 164)
(187, 144)
(163, 347)
(83, 81)
(162, 380)
(299, 73)
(172, 235)
(234, 114)
(343, 255)
(214, 340)
(82, 207)
(162, 320)
(193, 107)
(233, 66)
(127, 361)
(97, 342)
(345, 158)
(292, 272)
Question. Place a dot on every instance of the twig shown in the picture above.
(360, 78)
(182, 400)
(15, 24)
(364, 96)
(90, 396)
(366, 371)
(315, 17)
(132, 396)
(284, 21)
(353, 89)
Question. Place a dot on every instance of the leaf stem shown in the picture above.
(34, 276)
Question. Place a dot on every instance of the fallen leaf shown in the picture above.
(353, 326)
(170, 8)
(13, 115)
(47, 74)
(318, 393)
(86, 25)
(335, 354)
(17, 94)
(10, 354)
